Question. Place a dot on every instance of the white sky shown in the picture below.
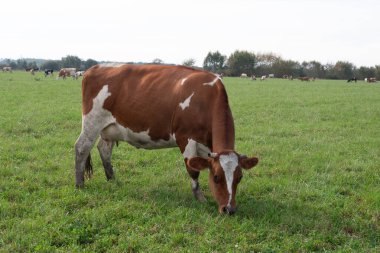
(175, 30)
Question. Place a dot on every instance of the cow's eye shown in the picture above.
(239, 179)
(216, 179)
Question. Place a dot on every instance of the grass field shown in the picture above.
(316, 188)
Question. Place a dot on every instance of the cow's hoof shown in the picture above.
(200, 197)
(79, 185)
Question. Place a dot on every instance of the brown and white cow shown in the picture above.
(304, 78)
(156, 106)
(66, 72)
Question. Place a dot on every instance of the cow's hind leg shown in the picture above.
(83, 164)
(105, 151)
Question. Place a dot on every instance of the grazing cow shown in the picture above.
(253, 77)
(370, 80)
(263, 78)
(244, 75)
(48, 72)
(65, 72)
(354, 79)
(305, 78)
(271, 76)
(78, 74)
(7, 69)
(156, 106)
(290, 77)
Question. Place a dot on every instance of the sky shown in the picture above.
(175, 30)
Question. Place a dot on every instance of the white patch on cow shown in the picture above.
(111, 64)
(194, 183)
(186, 103)
(98, 114)
(183, 81)
(117, 132)
(194, 149)
(229, 163)
(212, 83)
(100, 119)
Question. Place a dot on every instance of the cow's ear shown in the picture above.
(247, 162)
(198, 163)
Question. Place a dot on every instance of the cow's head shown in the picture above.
(225, 174)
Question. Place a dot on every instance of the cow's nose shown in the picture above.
(229, 209)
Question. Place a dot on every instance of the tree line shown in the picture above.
(70, 61)
(238, 62)
(269, 63)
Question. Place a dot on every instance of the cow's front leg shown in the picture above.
(198, 194)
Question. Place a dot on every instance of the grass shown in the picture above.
(316, 187)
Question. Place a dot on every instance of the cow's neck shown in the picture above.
(223, 130)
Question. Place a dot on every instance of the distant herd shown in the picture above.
(74, 73)
(63, 73)
(304, 78)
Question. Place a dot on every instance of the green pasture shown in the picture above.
(316, 188)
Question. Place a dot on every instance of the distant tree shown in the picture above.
(51, 64)
(215, 62)
(315, 69)
(377, 68)
(32, 64)
(189, 62)
(157, 61)
(284, 67)
(365, 72)
(21, 63)
(241, 62)
(89, 63)
(265, 62)
(344, 70)
(71, 61)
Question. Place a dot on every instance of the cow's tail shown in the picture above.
(88, 171)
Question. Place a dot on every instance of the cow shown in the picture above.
(304, 78)
(244, 75)
(263, 78)
(157, 106)
(65, 72)
(370, 80)
(253, 77)
(7, 69)
(271, 76)
(78, 74)
(48, 72)
(354, 79)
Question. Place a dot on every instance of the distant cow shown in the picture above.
(244, 75)
(156, 106)
(354, 79)
(7, 69)
(253, 77)
(48, 72)
(304, 78)
(370, 80)
(263, 78)
(65, 72)
(271, 76)
(285, 77)
(78, 74)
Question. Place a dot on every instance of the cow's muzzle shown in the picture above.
(227, 210)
